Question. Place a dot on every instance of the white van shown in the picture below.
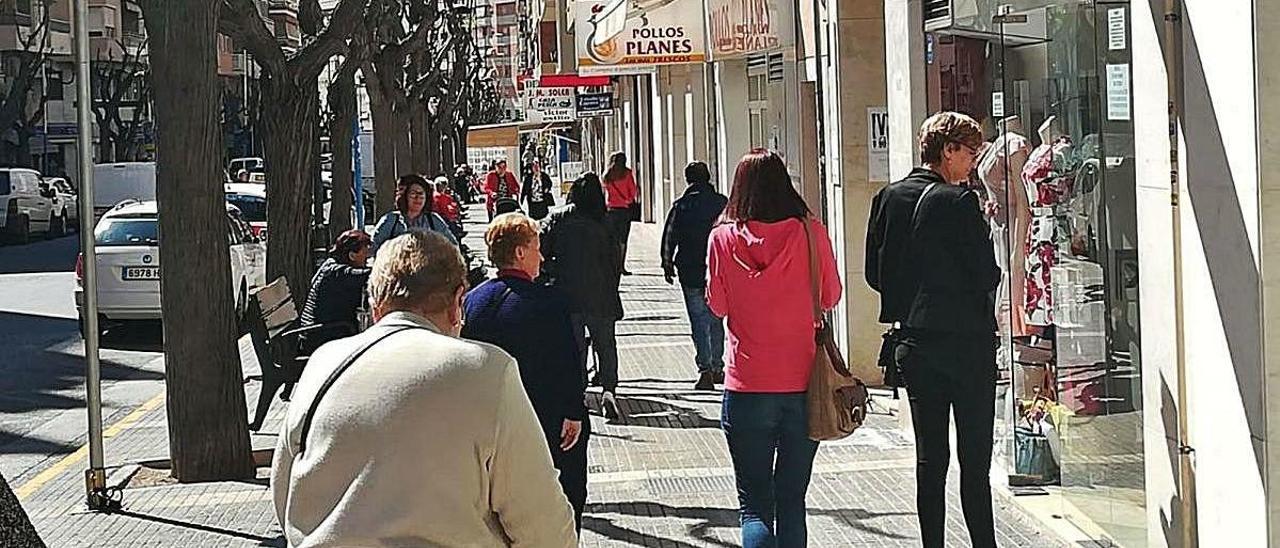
(115, 183)
(26, 205)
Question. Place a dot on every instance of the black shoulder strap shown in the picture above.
(919, 201)
(333, 377)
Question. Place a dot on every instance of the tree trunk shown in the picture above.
(290, 116)
(342, 101)
(421, 141)
(400, 127)
(208, 428)
(384, 152)
(15, 526)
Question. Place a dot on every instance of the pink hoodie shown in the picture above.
(758, 280)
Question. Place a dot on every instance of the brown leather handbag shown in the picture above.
(837, 401)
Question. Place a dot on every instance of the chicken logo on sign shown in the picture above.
(607, 23)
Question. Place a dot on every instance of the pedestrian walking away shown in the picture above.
(582, 260)
(536, 191)
(684, 254)
(413, 213)
(758, 280)
(531, 322)
(337, 290)
(370, 410)
(930, 256)
(622, 200)
(501, 190)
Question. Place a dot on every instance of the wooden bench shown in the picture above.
(274, 327)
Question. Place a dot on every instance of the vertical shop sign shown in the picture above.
(641, 36)
(878, 144)
(997, 104)
(745, 27)
(1115, 29)
(1118, 108)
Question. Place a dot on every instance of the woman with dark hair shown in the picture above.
(413, 213)
(536, 191)
(337, 290)
(758, 280)
(622, 192)
(582, 260)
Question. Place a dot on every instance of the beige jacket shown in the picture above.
(425, 441)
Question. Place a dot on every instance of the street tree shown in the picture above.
(342, 113)
(208, 428)
(22, 104)
(290, 117)
(121, 99)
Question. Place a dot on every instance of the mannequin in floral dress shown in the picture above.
(1047, 180)
(1009, 217)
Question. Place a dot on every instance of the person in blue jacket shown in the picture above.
(531, 322)
(412, 212)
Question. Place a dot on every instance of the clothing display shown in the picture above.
(1005, 159)
(1047, 178)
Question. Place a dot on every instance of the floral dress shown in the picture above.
(1048, 181)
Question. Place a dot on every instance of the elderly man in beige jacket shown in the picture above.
(406, 435)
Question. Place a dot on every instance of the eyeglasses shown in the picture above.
(971, 149)
(417, 194)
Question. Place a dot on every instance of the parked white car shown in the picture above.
(26, 206)
(128, 262)
(251, 199)
(250, 164)
(67, 202)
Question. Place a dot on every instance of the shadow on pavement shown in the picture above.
(262, 541)
(654, 412)
(58, 255)
(709, 519)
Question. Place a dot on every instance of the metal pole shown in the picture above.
(95, 476)
(358, 178)
(1186, 452)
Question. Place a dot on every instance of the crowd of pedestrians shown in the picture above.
(459, 418)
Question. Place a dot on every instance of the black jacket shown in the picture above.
(531, 322)
(684, 239)
(582, 259)
(938, 273)
(336, 292)
(543, 184)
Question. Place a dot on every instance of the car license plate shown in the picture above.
(141, 273)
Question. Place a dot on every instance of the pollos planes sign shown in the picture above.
(625, 36)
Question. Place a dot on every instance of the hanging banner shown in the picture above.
(627, 37)
(595, 104)
(745, 27)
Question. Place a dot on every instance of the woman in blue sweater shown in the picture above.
(531, 322)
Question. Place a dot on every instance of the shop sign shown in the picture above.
(877, 144)
(1115, 29)
(550, 98)
(558, 115)
(570, 171)
(595, 104)
(1118, 107)
(616, 37)
(744, 27)
(997, 104)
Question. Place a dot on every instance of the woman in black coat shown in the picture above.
(337, 290)
(582, 259)
(536, 191)
(531, 322)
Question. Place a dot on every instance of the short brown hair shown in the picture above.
(762, 190)
(946, 128)
(507, 232)
(418, 270)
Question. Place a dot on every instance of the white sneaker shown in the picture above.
(609, 405)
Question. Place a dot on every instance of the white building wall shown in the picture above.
(1219, 213)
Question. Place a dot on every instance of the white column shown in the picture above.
(733, 129)
(904, 52)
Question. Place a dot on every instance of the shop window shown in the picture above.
(53, 85)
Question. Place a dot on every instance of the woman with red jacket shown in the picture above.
(758, 281)
(621, 196)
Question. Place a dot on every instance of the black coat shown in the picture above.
(581, 258)
(938, 273)
(531, 322)
(537, 209)
(684, 239)
(336, 292)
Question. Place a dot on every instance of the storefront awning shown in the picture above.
(494, 135)
(572, 80)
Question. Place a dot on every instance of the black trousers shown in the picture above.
(619, 221)
(945, 372)
(605, 343)
(572, 465)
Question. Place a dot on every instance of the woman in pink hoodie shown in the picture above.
(758, 281)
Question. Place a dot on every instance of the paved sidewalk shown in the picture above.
(661, 477)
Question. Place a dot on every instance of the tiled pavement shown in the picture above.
(659, 478)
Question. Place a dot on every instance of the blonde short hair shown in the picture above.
(946, 128)
(416, 271)
(507, 232)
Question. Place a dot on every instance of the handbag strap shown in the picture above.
(814, 290)
(333, 377)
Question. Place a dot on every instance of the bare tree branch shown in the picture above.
(241, 21)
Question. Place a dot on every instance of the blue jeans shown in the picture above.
(708, 330)
(772, 455)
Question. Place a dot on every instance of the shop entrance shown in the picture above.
(1049, 80)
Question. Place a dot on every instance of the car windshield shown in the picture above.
(123, 232)
(4, 182)
(252, 208)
